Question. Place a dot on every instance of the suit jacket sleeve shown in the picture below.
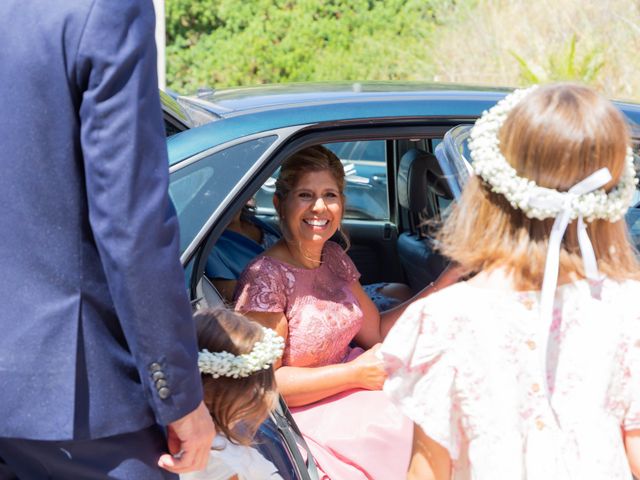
(126, 171)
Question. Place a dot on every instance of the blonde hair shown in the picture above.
(556, 136)
(237, 405)
(311, 159)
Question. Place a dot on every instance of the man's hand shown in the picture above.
(189, 439)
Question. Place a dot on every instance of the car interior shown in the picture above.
(389, 222)
(395, 192)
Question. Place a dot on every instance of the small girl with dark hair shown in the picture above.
(235, 360)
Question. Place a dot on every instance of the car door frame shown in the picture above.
(289, 141)
(292, 139)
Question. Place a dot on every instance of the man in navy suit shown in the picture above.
(98, 357)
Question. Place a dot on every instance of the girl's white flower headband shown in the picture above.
(524, 194)
(261, 357)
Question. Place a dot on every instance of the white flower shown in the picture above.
(522, 193)
(261, 357)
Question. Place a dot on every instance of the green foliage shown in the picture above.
(563, 65)
(234, 42)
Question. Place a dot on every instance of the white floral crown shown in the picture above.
(524, 194)
(261, 357)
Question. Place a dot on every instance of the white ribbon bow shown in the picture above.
(594, 181)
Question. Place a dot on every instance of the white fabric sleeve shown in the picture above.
(418, 357)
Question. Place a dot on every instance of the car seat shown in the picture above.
(419, 181)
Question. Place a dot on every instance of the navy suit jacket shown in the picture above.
(96, 335)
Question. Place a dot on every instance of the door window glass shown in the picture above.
(197, 189)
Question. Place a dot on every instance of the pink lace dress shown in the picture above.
(357, 434)
(466, 368)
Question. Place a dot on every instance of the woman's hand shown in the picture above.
(369, 372)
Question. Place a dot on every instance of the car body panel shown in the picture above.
(404, 108)
(233, 101)
(250, 110)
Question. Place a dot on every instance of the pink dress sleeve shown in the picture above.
(263, 287)
(419, 359)
(340, 263)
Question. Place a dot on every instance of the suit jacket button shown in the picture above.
(161, 383)
(158, 375)
(164, 393)
(155, 367)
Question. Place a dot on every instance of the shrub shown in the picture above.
(230, 42)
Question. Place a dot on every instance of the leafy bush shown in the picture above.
(563, 65)
(518, 42)
(232, 42)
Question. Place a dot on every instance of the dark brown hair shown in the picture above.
(557, 136)
(237, 405)
(310, 159)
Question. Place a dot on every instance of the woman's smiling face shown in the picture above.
(312, 210)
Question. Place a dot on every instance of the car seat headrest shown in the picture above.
(418, 172)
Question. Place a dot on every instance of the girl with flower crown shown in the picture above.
(531, 368)
(236, 363)
(307, 288)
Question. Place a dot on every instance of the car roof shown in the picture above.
(249, 110)
(233, 101)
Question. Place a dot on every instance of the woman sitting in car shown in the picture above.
(247, 236)
(307, 289)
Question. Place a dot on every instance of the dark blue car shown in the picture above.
(403, 171)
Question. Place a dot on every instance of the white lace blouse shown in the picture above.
(229, 459)
(464, 366)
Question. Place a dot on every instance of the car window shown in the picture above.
(365, 166)
(198, 188)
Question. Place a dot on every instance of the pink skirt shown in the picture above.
(357, 435)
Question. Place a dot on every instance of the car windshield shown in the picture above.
(200, 187)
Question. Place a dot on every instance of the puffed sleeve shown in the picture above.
(631, 378)
(421, 369)
(340, 263)
(263, 287)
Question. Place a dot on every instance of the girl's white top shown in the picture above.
(246, 462)
(464, 366)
